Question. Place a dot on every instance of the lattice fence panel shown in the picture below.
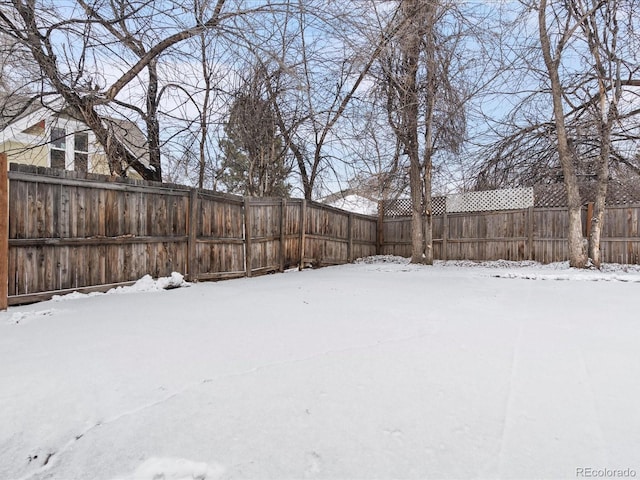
(555, 195)
(401, 207)
(549, 196)
(621, 194)
(439, 205)
(491, 200)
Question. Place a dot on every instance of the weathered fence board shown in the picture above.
(293, 232)
(535, 233)
(619, 229)
(68, 232)
(363, 229)
(265, 233)
(326, 235)
(4, 233)
(219, 237)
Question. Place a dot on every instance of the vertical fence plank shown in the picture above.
(247, 236)
(303, 230)
(530, 226)
(4, 232)
(380, 228)
(192, 232)
(445, 236)
(283, 236)
(350, 239)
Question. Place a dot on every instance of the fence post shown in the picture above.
(192, 234)
(445, 234)
(350, 238)
(303, 228)
(530, 232)
(380, 228)
(247, 236)
(4, 232)
(283, 226)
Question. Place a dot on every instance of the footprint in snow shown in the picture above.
(175, 469)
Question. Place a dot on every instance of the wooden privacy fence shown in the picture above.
(64, 231)
(527, 234)
(68, 231)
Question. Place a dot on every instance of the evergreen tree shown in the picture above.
(255, 159)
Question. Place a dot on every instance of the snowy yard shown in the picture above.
(373, 370)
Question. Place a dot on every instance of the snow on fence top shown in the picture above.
(489, 200)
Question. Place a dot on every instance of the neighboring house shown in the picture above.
(352, 201)
(46, 136)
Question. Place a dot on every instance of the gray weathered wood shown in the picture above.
(445, 236)
(247, 236)
(303, 228)
(350, 239)
(192, 263)
(530, 230)
(535, 233)
(4, 232)
(283, 235)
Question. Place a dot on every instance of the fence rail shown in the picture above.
(68, 231)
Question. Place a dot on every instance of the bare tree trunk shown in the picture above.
(204, 113)
(151, 119)
(431, 91)
(417, 238)
(428, 214)
(602, 176)
(607, 68)
(410, 47)
(599, 207)
(577, 253)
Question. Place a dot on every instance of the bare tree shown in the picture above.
(553, 56)
(70, 51)
(126, 23)
(312, 78)
(600, 27)
(403, 87)
(425, 108)
(587, 67)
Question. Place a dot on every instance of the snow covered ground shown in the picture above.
(379, 369)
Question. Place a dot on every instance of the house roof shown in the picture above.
(15, 107)
(131, 136)
(353, 201)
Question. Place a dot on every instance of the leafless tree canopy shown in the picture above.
(405, 95)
